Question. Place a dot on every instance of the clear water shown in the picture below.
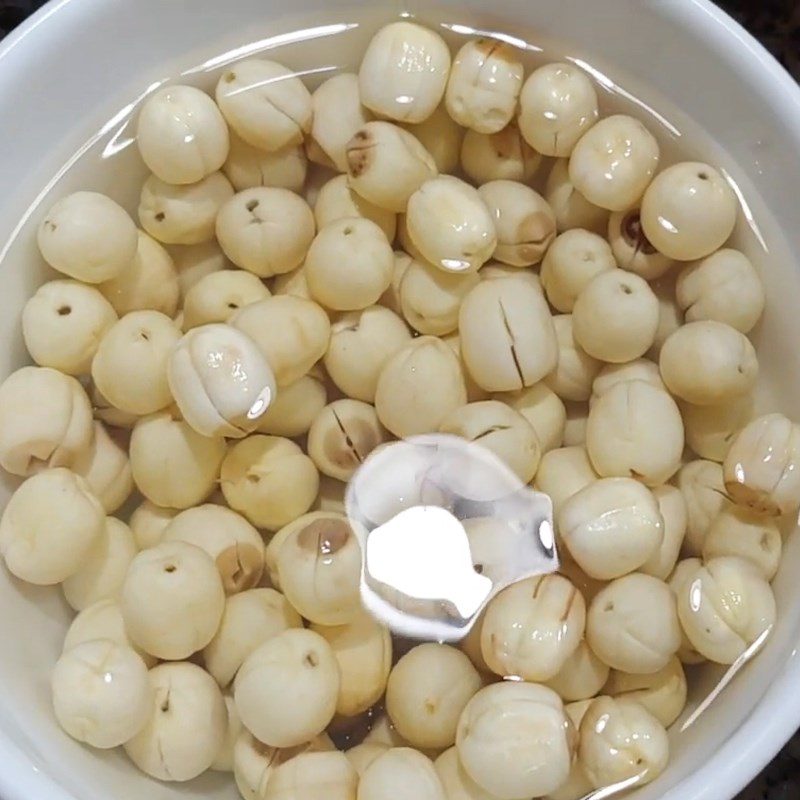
(99, 153)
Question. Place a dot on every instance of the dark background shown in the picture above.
(777, 24)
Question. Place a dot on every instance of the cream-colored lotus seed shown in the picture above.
(181, 135)
(407, 246)
(187, 724)
(574, 258)
(101, 693)
(104, 465)
(250, 618)
(632, 249)
(494, 270)
(430, 298)
(223, 762)
(293, 283)
(148, 523)
(514, 740)
(724, 287)
(254, 762)
(265, 230)
(427, 691)
(611, 527)
(571, 208)
(739, 532)
(314, 776)
(174, 466)
(292, 333)
(404, 773)
(500, 429)
(508, 340)
(702, 485)
(621, 741)
(474, 392)
(194, 261)
(130, 365)
(232, 542)
(711, 430)
(338, 114)
(451, 225)
(672, 505)
(524, 223)
(418, 387)
(103, 571)
(612, 164)
(498, 156)
(635, 430)
(342, 435)
(632, 624)
(484, 84)
(543, 409)
(349, 264)
(581, 676)
(708, 363)
(457, 784)
(274, 544)
(109, 414)
(360, 345)
(247, 167)
(286, 689)
(762, 467)
(615, 317)
(441, 136)
(391, 297)
(220, 380)
(688, 211)
(148, 282)
(725, 607)
(87, 236)
(172, 600)
(575, 372)
(386, 164)
(404, 72)
(63, 323)
(577, 785)
(337, 201)
(219, 295)
(49, 527)
(269, 480)
(640, 369)
(383, 732)
(294, 409)
(531, 628)
(662, 693)
(557, 105)
(265, 103)
(45, 420)
(363, 650)
(319, 569)
(684, 570)
(563, 472)
(182, 214)
(102, 620)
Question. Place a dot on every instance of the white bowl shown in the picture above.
(80, 67)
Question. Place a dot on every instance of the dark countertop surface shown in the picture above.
(776, 23)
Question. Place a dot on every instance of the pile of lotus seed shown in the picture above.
(318, 274)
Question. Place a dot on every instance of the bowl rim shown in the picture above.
(776, 716)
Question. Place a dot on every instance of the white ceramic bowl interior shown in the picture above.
(69, 80)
